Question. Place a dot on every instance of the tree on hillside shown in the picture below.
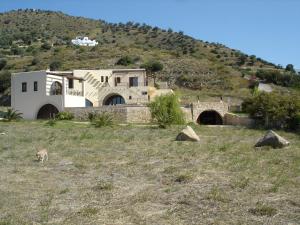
(152, 68)
(125, 61)
(290, 68)
(55, 65)
(3, 63)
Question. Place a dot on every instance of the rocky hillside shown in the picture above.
(32, 39)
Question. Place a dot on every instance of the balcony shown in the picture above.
(73, 92)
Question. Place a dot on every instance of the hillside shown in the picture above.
(32, 39)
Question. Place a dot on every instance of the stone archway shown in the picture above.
(210, 117)
(47, 111)
(114, 99)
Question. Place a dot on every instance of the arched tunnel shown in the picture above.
(210, 117)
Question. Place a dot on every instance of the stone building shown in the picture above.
(42, 94)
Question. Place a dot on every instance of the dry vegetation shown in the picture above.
(140, 175)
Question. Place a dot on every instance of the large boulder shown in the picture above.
(187, 134)
(272, 139)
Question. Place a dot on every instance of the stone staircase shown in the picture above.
(93, 85)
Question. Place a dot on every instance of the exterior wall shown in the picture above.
(74, 101)
(97, 89)
(133, 95)
(30, 102)
(93, 82)
(237, 120)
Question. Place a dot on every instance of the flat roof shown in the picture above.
(64, 74)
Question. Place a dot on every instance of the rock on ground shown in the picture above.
(272, 139)
(187, 134)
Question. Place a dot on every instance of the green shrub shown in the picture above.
(51, 123)
(273, 110)
(92, 116)
(46, 46)
(103, 120)
(55, 65)
(65, 116)
(12, 115)
(125, 61)
(3, 63)
(165, 110)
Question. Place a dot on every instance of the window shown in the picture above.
(130, 97)
(56, 88)
(133, 81)
(106, 79)
(71, 83)
(117, 81)
(35, 86)
(24, 87)
(144, 92)
(102, 79)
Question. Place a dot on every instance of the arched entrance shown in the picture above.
(210, 117)
(47, 111)
(114, 100)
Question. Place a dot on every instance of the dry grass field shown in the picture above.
(141, 175)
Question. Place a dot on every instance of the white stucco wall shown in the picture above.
(29, 102)
(74, 101)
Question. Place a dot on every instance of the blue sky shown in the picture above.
(269, 29)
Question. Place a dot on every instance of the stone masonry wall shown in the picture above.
(237, 120)
(141, 114)
(119, 113)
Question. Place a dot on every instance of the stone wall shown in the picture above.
(141, 114)
(238, 120)
(122, 114)
(138, 114)
(119, 113)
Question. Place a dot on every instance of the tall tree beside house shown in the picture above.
(152, 68)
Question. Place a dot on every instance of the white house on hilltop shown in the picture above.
(42, 94)
(84, 41)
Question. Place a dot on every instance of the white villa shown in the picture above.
(42, 94)
(84, 41)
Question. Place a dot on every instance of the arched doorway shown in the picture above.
(56, 88)
(210, 117)
(114, 100)
(47, 111)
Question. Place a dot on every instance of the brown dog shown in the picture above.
(42, 155)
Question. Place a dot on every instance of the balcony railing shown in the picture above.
(74, 92)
